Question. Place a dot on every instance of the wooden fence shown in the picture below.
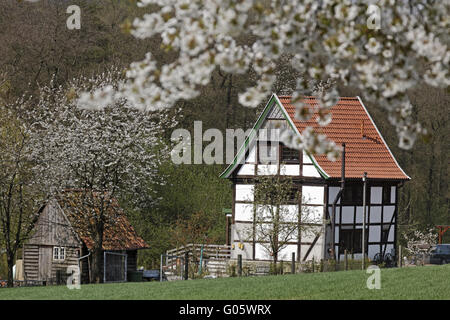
(195, 251)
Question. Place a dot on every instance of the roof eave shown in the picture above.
(382, 139)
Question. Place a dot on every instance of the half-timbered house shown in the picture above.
(61, 240)
(318, 180)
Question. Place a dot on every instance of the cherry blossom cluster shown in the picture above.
(115, 148)
(328, 39)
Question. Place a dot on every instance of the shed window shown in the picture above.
(59, 253)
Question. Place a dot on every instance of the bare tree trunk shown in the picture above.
(10, 261)
(275, 261)
(96, 265)
(97, 256)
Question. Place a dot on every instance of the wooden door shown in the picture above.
(45, 262)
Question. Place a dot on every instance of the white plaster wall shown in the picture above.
(332, 192)
(391, 234)
(310, 171)
(246, 252)
(268, 154)
(374, 234)
(252, 155)
(290, 213)
(306, 159)
(290, 169)
(373, 250)
(267, 169)
(264, 213)
(242, 232)
(261, 253)
(338, 213)
(293, 237)
(347, 214)
(375, 214)
(312, 214)
(393, 190)
(336, 235)
(247, 170)
(244, 192)
(389, 248)
(261, 230)
(388, 212)
(375, 194)
(243, 212)
(286, 253)
(309, 234)
(313, 194)
(360, 213)
(315, 253)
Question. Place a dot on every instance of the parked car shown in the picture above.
(150, 275)
(440, 254)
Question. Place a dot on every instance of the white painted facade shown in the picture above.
(318, 194)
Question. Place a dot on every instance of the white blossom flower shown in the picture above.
(373, 46)
(325, 38)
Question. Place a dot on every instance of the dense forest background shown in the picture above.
(36, 47)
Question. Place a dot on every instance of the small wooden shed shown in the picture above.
(61, 240)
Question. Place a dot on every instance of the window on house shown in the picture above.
(59, 253)
(289, 155)
(353, 194)
(386, 194)
(351, 240)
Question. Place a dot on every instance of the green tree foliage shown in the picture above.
(191, 194)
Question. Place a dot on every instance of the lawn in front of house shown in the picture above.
(429, 282)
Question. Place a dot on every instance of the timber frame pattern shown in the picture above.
(310, 178)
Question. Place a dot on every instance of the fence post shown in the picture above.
(240, 265)
(346, 260)
(161, 269)
(293, 263)
(399, 256)
(186, 265)
(313, 263)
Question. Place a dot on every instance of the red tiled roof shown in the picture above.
(370, 155)
(118, 234)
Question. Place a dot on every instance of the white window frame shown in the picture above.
(59, 253)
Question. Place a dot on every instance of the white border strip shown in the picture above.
(386, 145)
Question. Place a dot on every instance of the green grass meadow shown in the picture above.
(429, 282)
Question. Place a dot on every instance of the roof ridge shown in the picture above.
(315, 97)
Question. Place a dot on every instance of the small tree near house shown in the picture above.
(20, 195)
(418, 241)
(104, 154)
(275, 223)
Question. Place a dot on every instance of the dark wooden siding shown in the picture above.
(131, 260)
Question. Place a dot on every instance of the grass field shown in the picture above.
(429, 282)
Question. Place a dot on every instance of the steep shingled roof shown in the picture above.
(366, 150)
(119, 234)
